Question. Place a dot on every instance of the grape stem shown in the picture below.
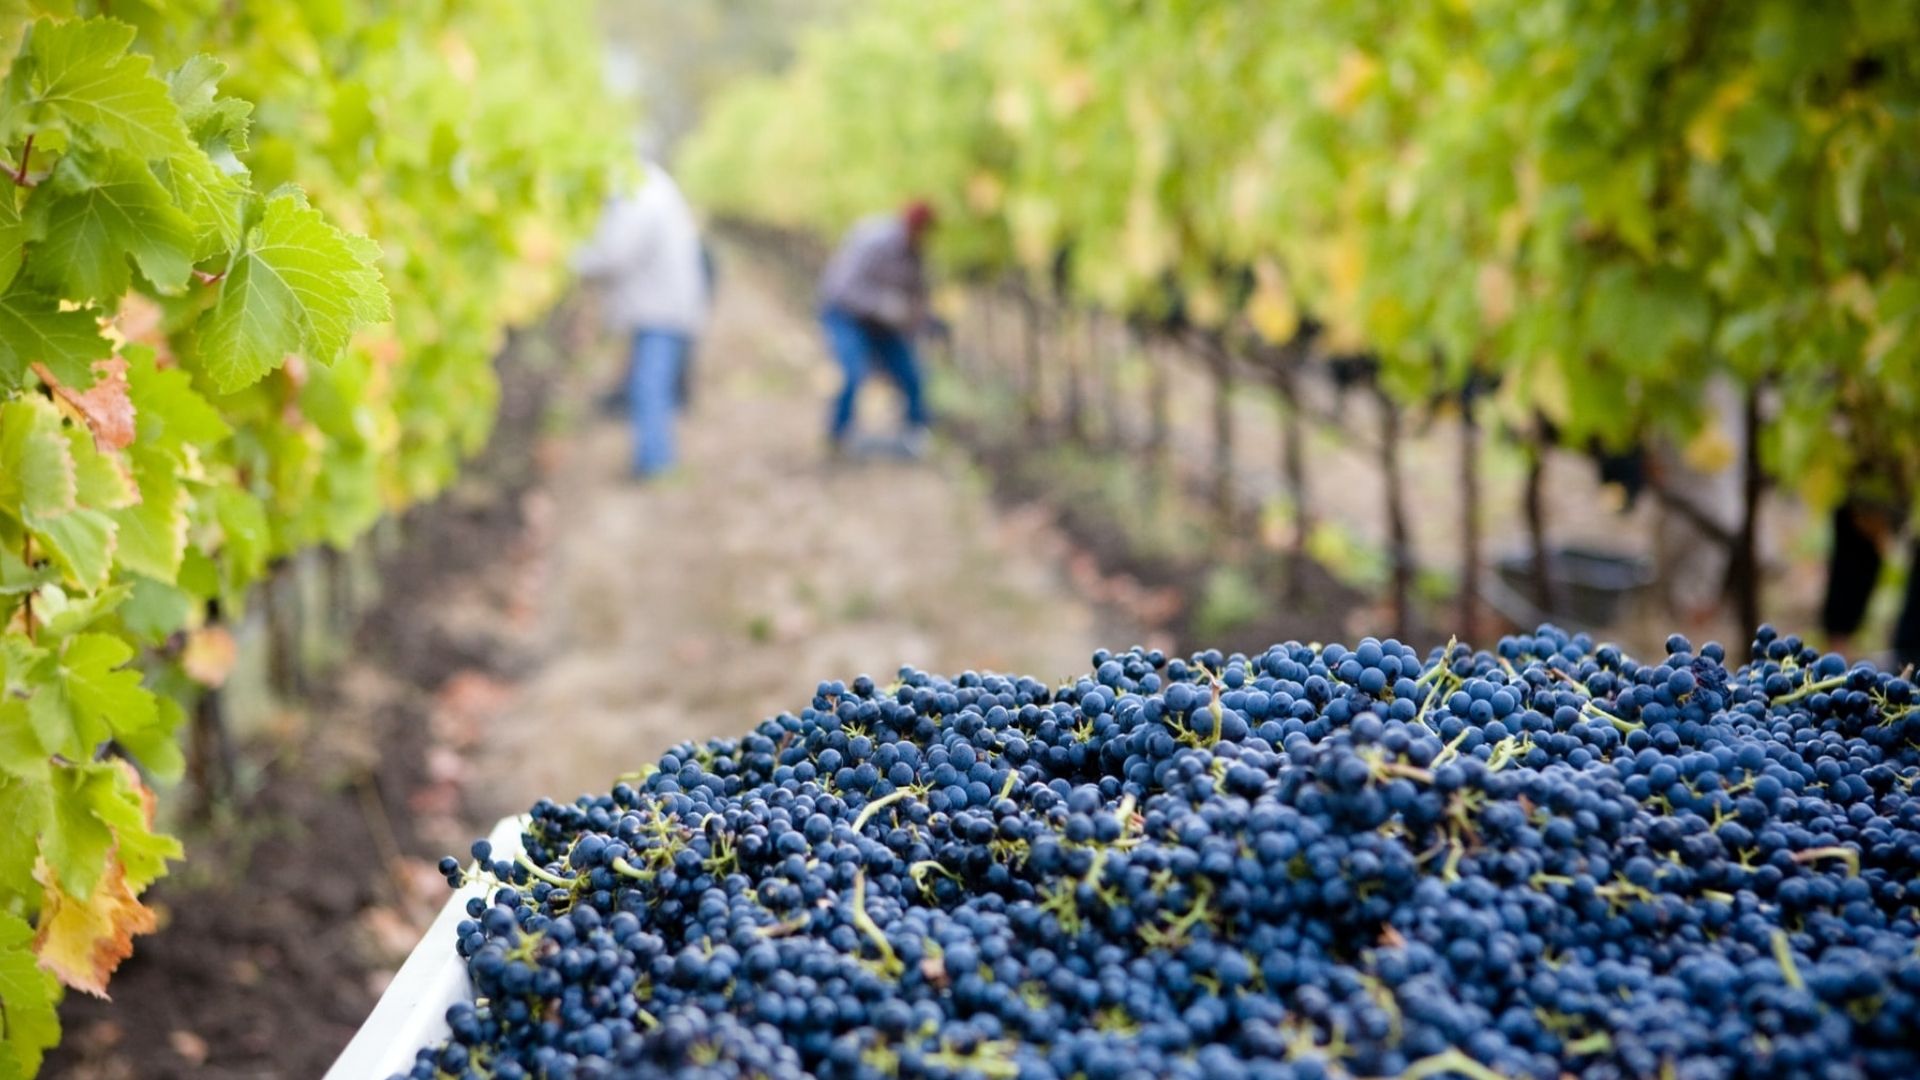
(1452, 1060)
(554, 880)
(865, 924)
(626, 869)
(1846, 854)
(874, 807)
(26, 154)
(1783, 955)
(1811, 689)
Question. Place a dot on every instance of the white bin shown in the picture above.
(413, 1011)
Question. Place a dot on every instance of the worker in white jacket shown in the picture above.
(647, 254)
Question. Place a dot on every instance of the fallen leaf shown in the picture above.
(105, 407)
(82, 942)
(209, 656)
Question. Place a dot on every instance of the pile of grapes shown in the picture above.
(1545, 861)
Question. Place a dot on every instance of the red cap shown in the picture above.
(919, 215)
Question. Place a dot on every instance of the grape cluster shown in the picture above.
(1540, 861)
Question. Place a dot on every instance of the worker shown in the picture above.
(873, 299)
(648, 255)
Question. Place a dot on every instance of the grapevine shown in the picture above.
(1599, 210)
(252, 275)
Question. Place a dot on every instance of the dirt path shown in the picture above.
(703, 603)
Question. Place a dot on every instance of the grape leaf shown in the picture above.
(210, 188)
(16, 577)
(298, 285)
(84, 696)
(155, 610)
(79, 74)
(99, 481)
(127, 805)
(36, 467)
(157, 748)
(102, 690)
(33, 327)
(106, 407)
(63, 616)
(13, 235)
(247, 534)
(86, 220)
(82, 939)
(76, 843)
(218, 124)
(168, 410)
(21, 755)
(25, 808)
(31, 996)
(153, 534)
(81, 544)
(102, 822)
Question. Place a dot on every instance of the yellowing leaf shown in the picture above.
(105, 407)
(1271, 309)
(1710, 450)
(209, 655)
(36, 467)
(1706, 134)
(1493, 286)
(1352, 78)
(82, 941)
(984, 192)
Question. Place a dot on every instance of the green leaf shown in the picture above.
(118, 801)
(21, 755)
(85, 697)
(103, 691)
(157, 748)
(13, 235)
(218, 124)
(210, 187)
(32, 327)
(169, 411)
(26, 806)
(31, 996)
(63, 616)
(153, 533)
(86, 221)
(36, 464)
(77, 842)
(298, 286)
(248, 535)
(155, 610)
(17, 578)
(78, 74)
(80, 543)
(99, 481)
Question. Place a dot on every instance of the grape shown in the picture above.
(1545, 860)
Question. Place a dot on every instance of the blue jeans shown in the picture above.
(854, 343)
(652, 392)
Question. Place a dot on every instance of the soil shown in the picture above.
(550, 623)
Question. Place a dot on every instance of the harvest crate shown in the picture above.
(413, 1011)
